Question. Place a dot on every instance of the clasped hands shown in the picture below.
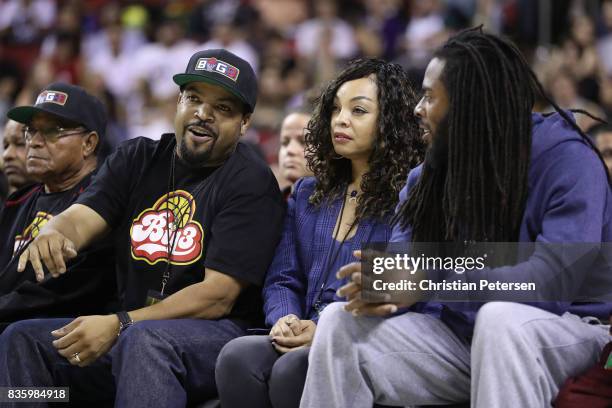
(290, 333)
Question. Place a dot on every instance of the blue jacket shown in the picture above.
(569, 201)
(304, 256)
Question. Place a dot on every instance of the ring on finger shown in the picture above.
(76, 357)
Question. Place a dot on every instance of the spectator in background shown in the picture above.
(26, 21)
(604, 43)
(98, 41)
(291, 160)
(68, 23)
(385, 20)
(323, 41)
(152, 68)
(14, 157)
(10, 83)
(112, 64)
(581, 56)
(65, 61)
(564, 92)
(602, 135)
(282, 15)
(3, 188)
(230, 36)
(424, 33)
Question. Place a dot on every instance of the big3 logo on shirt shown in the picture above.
(168, 227)
(31, 231)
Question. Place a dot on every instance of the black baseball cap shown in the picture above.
(222, 68)
(68, 102)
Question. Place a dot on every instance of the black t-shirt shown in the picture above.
(227, 218)
(87, 287)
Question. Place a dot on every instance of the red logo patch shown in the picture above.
(168, 227)
(56, 97)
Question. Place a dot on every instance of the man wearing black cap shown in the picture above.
(61, 134)
(196, 217)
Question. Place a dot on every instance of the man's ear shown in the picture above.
(90, 143)
(246, 122)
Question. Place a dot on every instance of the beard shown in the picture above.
(192, 158)
(436, 156)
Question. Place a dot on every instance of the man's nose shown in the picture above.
(205, 113)
(418, 109)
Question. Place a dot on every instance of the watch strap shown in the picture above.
(125, 321)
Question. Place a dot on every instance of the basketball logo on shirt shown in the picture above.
(168, 225)
(31, 230)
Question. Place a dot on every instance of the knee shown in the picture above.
(287, 378)
(334, 316)
(21, 331)
(236, 354)
(246, 357)
(499, 319)
(290, 369)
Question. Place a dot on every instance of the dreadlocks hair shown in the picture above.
(398, 146)
(480, 193)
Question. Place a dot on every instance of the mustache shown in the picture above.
(203, 125)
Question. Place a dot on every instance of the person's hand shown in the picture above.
(86, 338)
(51, 249)
(284, 344)
(286, 326)
(352, 292)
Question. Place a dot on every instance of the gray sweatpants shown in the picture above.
(519, 357)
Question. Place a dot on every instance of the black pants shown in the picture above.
(251, 373)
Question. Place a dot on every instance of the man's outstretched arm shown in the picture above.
(61, 238)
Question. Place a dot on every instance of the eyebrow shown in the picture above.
(356, 98)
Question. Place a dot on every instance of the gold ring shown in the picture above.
(76, 357)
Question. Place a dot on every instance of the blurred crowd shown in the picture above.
(125, 52)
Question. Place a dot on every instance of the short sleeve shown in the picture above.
(247, 228)
(109, 192)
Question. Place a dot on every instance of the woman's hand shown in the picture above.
(303, 339)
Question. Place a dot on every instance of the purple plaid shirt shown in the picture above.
(303, 258)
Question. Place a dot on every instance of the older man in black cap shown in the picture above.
(61, 134)
(196, 217)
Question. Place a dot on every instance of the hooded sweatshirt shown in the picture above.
(569, 201)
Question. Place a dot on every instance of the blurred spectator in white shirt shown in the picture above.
(26, 21)
(325, 30)
(424, 32)
(229, 35)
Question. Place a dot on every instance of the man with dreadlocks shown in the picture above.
(495, 172)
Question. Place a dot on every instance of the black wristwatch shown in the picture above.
(125, 321)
